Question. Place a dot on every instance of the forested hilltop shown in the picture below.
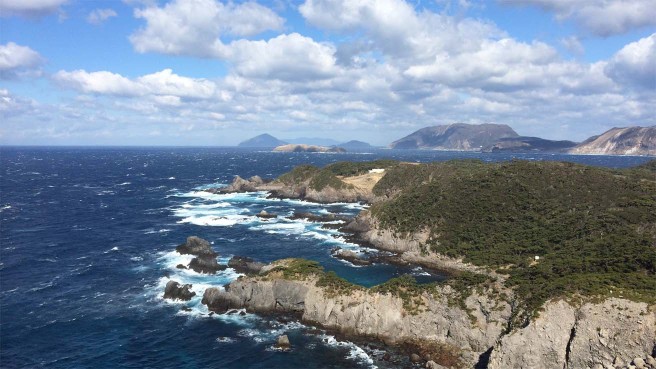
(593, 229)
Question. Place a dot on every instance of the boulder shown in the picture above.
(196, 246)
(283, 342)
(433, 365)
(266, 215)
(415, 358)
(175, 291)
(319, 218)
(639, 363)
(205, 264)
(245, 265)
(651, 361)
(219, 301)
(350, 256)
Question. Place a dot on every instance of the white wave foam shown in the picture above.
(225, 340)
(124, 184)
(355, 352)
(222, 221)
(163, 230)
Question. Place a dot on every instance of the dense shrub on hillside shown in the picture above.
(351, 168)
(594, 229)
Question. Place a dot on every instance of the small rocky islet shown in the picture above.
(528, 305)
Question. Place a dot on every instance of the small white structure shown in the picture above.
(376, 171)
(537, 258)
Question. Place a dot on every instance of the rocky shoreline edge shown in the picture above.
(453, 326)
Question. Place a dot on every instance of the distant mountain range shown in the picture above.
(492, 138)
(502, 138)
(267, 141)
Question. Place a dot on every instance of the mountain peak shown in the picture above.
(456, 136)
(264, 140)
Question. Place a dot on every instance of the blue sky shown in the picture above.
(210, 72)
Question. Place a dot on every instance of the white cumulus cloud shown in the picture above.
(635, 64)
(195, 27)
(18, 61)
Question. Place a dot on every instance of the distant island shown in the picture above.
(311, 144)
(620, 141)
(307, 148)
(262, 141)
(458, 136)
(502, 138)
(355, 145)
(526, 144)
(489, 138)
(552, 264)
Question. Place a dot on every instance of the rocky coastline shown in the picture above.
(448, 325)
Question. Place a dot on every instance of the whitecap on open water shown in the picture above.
(84, 263)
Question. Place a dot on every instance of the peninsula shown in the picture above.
(553, 264)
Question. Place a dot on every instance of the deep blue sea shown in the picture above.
(87, 245)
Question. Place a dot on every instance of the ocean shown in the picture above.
(87, 239)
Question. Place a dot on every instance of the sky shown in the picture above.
(214, 72)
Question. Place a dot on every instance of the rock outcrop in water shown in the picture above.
(195, 246)
(205, 257)
(308, 148)
(175, 291)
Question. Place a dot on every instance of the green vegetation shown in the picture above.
(325, 178)
(594, 229)
(351, 168)
(298, 175)
(335, 285)
(297, 269)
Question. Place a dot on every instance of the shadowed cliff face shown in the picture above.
(620, 141)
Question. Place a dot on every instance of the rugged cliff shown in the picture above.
(620, 141)
(472, 324)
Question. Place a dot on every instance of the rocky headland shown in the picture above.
(552, 264)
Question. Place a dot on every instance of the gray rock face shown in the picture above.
(205, 264)
(245, 265)
(219, 301)
(175, 291)
(608, 333)
(195, 246)
(620, 141)
(241, 185)
(350, 256)
(371, 314)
